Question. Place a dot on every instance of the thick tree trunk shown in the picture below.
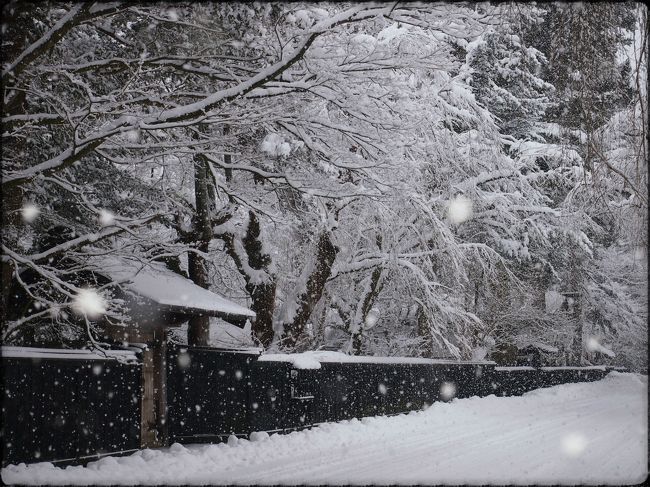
(262, 293)
(498, 301)
(306, 298)
(575, 285)
(255, 266)
(227, 158)
(543, 281)
(372, 290)
(424, 331)
(252, 262)
(198, 333)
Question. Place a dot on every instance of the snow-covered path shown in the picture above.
(572, 434)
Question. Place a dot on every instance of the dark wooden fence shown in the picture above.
(514, 381)
(344, 390)
(207, 393)
(76, 405)
(64, 405)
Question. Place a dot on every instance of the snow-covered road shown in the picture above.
(572, 434)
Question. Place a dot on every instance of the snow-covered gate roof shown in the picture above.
(154, 281)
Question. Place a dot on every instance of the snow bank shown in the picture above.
(594, 432)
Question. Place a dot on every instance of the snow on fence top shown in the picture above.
(312, 360)
(64, 353)
(517, 368)
(564, 367)
(586, 367)
(154, 281)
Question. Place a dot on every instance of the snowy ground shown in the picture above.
(572, 434)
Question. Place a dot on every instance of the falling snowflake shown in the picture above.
(447, 390)
(106, 218)
(372, 318)
(183, 360)
(382, 389)
(459, 209)
(594, 345)
(88, 302)
(30, 211)
(573, 444)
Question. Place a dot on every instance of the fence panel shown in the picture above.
(207, 393)
(514, 381)
(67, 405)
(346, 390)
(269, 396)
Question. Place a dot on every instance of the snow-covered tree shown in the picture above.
(399, 173)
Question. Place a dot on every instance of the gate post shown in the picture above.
(153, 426)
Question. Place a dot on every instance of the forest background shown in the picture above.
(419, 179)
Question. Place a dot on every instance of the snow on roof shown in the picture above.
(313, 359)
(154, 281)
(65, 353)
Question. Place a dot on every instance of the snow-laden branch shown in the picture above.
(64, 159)
(191, 112)
(46, 41)
(79, 13)
(91, 238)
(486, 177)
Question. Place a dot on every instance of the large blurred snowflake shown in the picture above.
(459, 209)
(30, 211)
(89, 302)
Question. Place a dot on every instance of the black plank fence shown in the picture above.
(207, 393)
(63, 405)
(76, 405)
